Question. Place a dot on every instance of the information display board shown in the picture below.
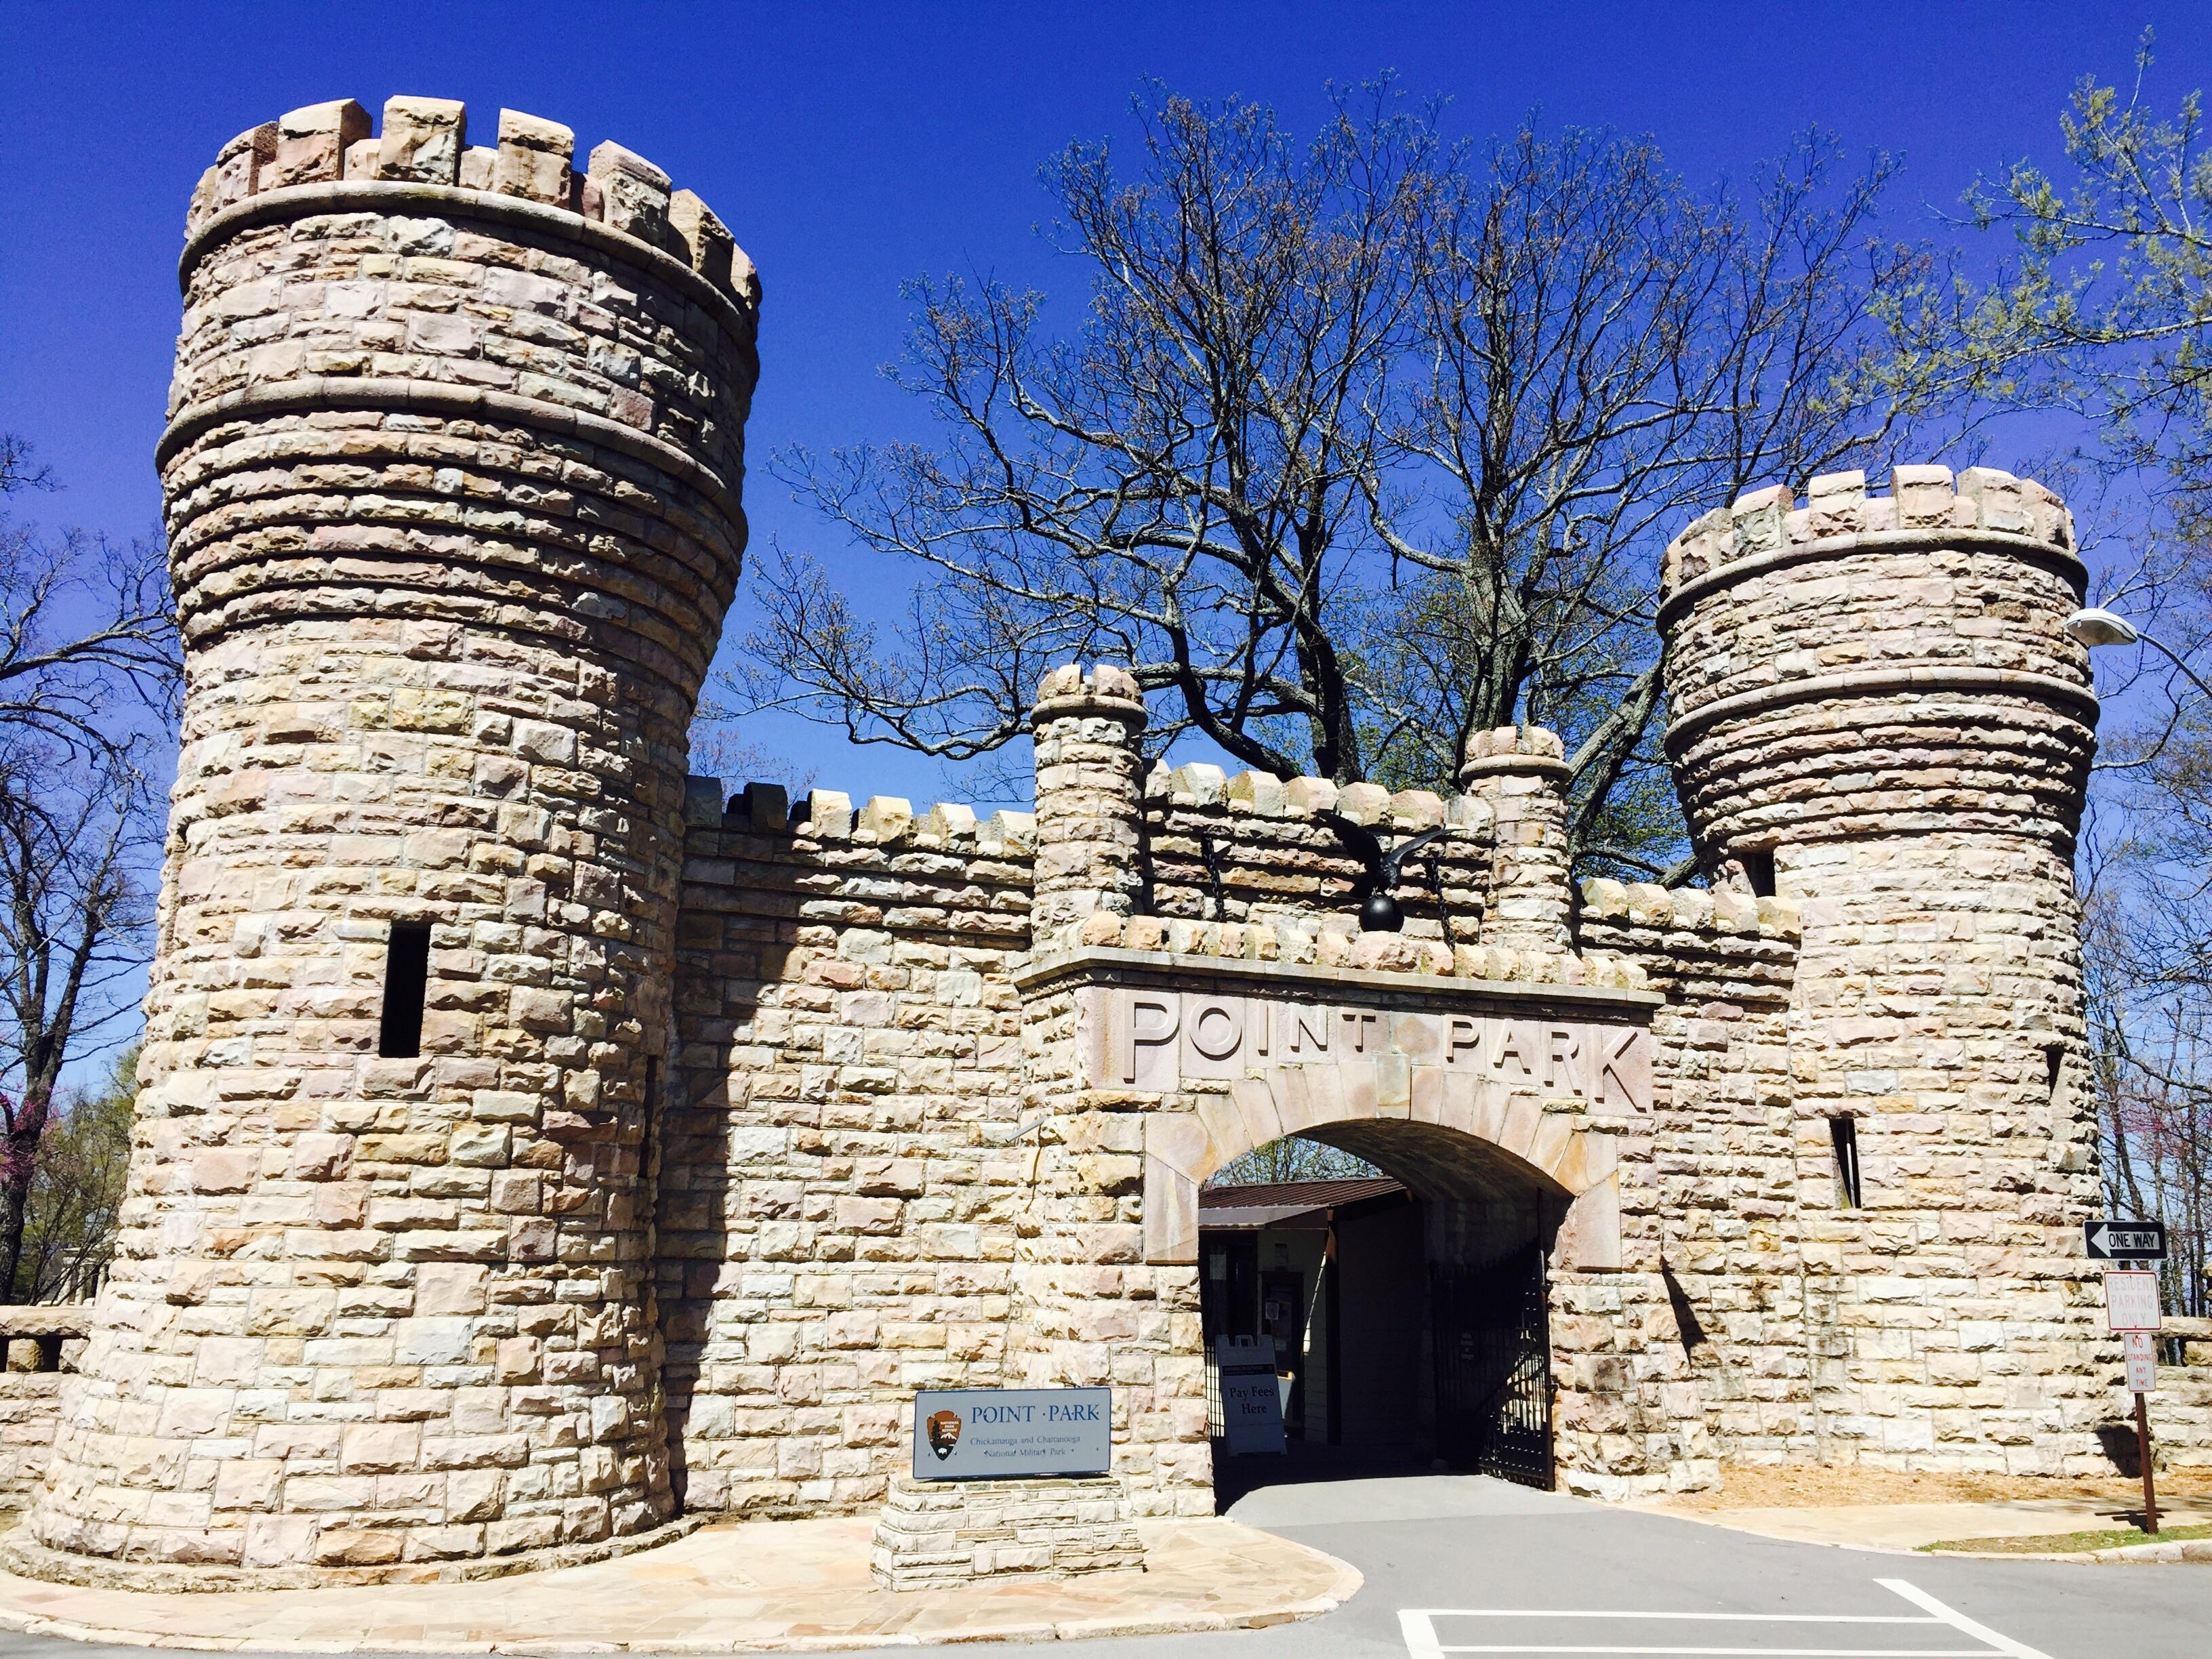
(1001, 1434)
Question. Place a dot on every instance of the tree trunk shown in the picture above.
(19, 1162)
(14, 1203)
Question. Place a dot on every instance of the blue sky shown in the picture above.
(852, 147)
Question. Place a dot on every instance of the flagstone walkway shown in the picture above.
(787, 1586)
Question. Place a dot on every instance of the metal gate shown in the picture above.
(1493, 1357)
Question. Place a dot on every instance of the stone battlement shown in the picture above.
(1306, 941)
(828, 815)
(1765, 527)
(1689, 909)
(1263, 795)
(424, 144)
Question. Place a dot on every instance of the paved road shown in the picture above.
(1462, 1550)
(1462, 1565)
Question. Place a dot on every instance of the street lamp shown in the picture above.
(2093, 627)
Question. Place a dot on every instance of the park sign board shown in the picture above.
(1006, 1434)
(2125, 1241)
(1161, 1041)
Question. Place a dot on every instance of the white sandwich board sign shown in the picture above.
(1251, 1404)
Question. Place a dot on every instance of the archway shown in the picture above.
(1410, 1316)
(1472, 1124)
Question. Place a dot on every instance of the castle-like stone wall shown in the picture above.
(731, 1122)
(839, 1171)
(1876, 699)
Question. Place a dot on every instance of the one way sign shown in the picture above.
(2125, 1241)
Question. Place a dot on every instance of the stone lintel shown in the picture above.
(1112, 965)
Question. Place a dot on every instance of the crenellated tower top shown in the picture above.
(328, 149)
(1865, 665)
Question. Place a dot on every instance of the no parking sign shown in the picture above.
(2131, 1301)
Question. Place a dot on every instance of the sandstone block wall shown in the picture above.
(1254, 849)
(1730, 1193)
(934, 1535)
(729, 1126)
(840, 1176)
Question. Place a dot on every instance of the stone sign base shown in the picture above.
(932, 1534)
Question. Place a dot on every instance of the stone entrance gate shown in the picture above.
(1518, 1110)
(538, 1148)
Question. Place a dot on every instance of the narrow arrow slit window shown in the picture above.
(406, 982)
(1759, 870)
(1844, 1134)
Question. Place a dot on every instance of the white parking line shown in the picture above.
(1960, 1622)
(1419, 1626)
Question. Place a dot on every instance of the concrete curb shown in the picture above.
(2186, 1549)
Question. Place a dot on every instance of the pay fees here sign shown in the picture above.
(1251, 1399)
(997, 1434)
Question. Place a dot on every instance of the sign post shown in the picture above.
(2131, 1313)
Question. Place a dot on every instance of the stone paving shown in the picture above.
(794, 1586)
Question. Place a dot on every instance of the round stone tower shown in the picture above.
(453, 470)
(1877, 713)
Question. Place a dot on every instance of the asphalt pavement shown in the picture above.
(1463, 1565)
(1460, 1565)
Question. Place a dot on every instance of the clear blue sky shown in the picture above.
(851, 147)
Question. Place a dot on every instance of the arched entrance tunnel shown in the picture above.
(1406, 1306)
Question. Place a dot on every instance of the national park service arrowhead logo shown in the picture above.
(944, 1433)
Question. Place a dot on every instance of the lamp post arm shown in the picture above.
(2174, 657)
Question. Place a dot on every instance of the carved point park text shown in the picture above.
(1156, 1040)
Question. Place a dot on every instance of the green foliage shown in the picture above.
(76, 1191)
(2104, 315)
(2106, 311)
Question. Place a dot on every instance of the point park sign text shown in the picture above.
(1161, 1041)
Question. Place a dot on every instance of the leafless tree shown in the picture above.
(76, 916)
(1604, 355)
(1358, 445)
(89, 672)
(84, 620)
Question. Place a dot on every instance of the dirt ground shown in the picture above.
(1747, 1487)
